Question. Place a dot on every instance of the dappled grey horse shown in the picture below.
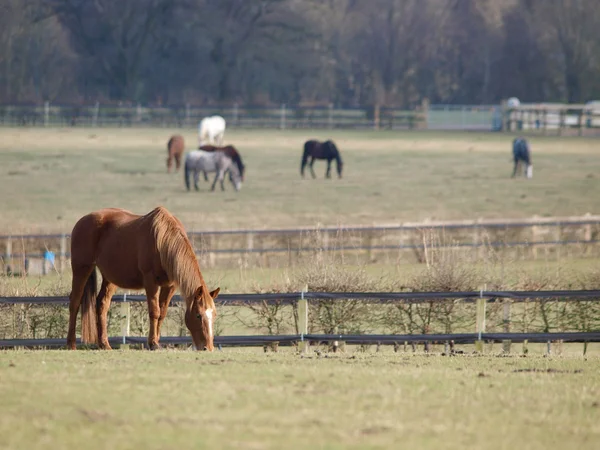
(521, 154)
(198, 161)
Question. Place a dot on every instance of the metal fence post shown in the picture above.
(330, 116)
(8, 255)
(303, 320)
(126, 322)
(96, 114)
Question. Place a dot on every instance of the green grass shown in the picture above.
(51, 177)
(246, 399)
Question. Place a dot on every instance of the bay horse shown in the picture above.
(230, 151)
(521, 153)
(175, 148)
(321, 150)
(150, 252)
(202, 161)
(211, 130)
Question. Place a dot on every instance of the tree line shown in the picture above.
(350, 53)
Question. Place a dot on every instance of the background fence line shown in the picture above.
(505, 233)
(302, 337)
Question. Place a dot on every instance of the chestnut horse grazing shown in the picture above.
(134, 252)
(175, 148)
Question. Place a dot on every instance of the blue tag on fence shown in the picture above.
(49, 256)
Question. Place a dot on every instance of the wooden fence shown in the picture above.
(237, 116)
(395, 243)
(556, 118)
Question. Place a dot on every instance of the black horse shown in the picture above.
(521, 153)
(321, 150)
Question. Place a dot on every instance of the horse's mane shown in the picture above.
(176, 253)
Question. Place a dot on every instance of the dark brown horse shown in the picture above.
(150, 252)
(230, 151)
(175, 148)
(321, 150)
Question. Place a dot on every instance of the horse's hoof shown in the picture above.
(153, 347)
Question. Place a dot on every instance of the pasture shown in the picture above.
(247, 399)
(51, 177)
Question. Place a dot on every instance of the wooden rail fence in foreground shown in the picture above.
(20, 251)
(301, 301)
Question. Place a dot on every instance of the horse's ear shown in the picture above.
(215, 293)
(198, 293)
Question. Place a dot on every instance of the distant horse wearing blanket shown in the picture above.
(134, 252)
(321, 150)
(175, 148)
(202, 161)
(211, 130)
(522, 154)
(230, 151)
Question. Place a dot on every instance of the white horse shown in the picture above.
(198, 161)
(211, 130)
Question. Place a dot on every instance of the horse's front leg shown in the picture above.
(310, 166)
(166, 293)
(196, 178)
(328, 173)
(205, 175)
(153, 310)
(212, 188)
(515, 169)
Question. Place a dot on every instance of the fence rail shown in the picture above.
(532, 233)
(302, 299)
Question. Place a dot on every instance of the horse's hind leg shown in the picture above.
(515, 169)
(205, 175)
(107, 290)
(80, 277)
(328, 173)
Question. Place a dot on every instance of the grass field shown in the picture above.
(51, 177)
(247, 399)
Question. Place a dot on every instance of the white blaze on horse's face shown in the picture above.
(209, 321)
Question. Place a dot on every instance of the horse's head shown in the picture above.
(335, 153)
(235, 176)
(200, 318)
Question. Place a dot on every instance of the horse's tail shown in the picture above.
(89, 327)
(307, 148)
(186, 173)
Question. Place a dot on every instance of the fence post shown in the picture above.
(480, 321)
(63, 252)
(535, 231)
(235, 114)
(187, 114)
(96, 114)
(330, 116)
(8, 256)
(506, 325)
(126, 322)
(282, 117)
(303, 321)
(46, 113)
(376, 112)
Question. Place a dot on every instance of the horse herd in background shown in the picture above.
(212, 156)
